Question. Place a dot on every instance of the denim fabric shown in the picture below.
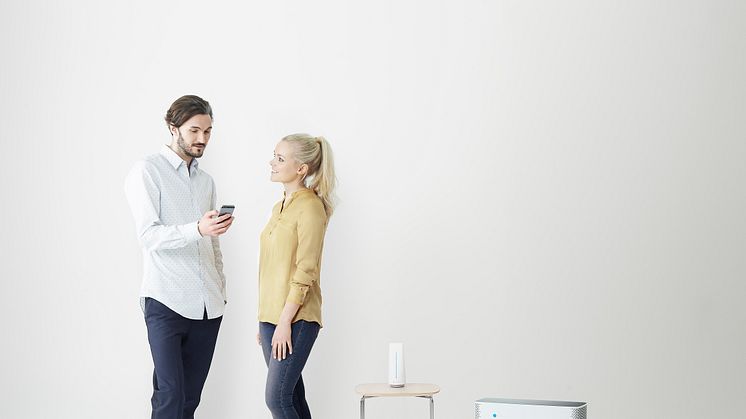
(285, 393)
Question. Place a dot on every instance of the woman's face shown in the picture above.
(285, 168)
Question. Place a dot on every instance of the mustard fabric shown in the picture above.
(290, 258)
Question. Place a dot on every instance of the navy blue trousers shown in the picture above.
(182, 352)
(285, 393)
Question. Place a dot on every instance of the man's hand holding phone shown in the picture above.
(215, 223)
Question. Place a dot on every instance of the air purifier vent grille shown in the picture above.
(490, 408)
(579, 413)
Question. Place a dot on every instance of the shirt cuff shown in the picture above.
(296, 295)
(190, 232)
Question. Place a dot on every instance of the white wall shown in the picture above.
(540, 199)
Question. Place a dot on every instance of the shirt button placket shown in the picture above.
(196, 209)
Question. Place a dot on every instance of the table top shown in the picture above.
(385, 390)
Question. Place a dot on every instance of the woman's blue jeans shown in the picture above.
(285, 394)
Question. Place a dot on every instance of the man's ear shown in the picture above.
(173, 130)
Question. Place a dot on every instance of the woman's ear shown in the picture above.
(303, 169)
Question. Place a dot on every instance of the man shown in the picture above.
(183, 289)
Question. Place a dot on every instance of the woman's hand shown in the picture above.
(281, 343)
(258, 339)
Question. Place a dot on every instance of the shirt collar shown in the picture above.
(175, 160)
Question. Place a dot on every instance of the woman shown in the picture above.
(289, 265)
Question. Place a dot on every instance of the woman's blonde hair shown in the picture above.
(317, 154)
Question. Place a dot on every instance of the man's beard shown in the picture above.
(182, 145)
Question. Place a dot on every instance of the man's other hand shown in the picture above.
(210, 225)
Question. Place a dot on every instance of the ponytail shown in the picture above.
(324, 180)
(317, 154)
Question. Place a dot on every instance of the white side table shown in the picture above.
(369, 391)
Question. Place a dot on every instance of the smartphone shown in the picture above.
(226, 209)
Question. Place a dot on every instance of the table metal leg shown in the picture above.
(432, 408)
(362, 408)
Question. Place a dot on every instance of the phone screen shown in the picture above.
(226, 209)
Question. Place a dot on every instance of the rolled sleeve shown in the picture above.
(311, 229)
